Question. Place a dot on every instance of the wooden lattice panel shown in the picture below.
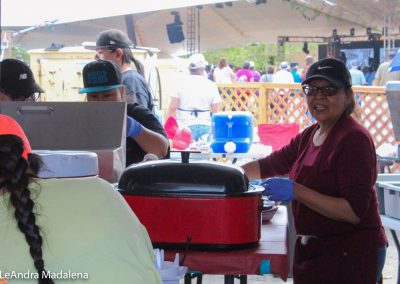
(285, 103)
(244, 97)
(373, 113)
(277, 103)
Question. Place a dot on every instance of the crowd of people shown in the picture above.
(225, 73)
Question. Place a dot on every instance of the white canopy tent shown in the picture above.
(244, 22)
(29, 13)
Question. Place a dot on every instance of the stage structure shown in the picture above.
(369, 49)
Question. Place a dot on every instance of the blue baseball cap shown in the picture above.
(100, 76)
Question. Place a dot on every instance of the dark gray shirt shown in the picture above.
(137, 90)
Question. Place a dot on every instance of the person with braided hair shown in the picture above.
(79, 229)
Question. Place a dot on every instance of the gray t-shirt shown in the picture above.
(137, 90)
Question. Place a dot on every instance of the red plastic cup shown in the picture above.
(171, 127)
(182, 139)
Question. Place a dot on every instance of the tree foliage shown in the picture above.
(263, 55)
(20, 53)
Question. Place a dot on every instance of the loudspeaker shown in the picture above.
(305, 48)
(175, 33)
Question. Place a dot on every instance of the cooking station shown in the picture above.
(272, 251)
(210, 214)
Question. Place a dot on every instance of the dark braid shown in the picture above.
(13, 171)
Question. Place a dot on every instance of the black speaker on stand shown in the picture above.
(305, 48)
(174, 30)
(175, 33)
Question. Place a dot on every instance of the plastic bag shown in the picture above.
(277, 135)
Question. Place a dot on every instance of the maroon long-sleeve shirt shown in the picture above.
(345, 167)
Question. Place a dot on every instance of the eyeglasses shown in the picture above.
(327, 91)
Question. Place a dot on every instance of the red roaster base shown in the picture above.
(211, 221)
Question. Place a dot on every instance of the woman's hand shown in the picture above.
(279, 189)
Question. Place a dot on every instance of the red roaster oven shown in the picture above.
(208, 203)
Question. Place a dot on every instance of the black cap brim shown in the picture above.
(27, 92)
(98, 89)
(336, 83)
(37, 89)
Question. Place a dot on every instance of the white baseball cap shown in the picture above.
(284, 65)
(197, 61)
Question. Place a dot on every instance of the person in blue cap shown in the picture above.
(293, 69)
(102, 81)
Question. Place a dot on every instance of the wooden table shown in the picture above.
(272, 247)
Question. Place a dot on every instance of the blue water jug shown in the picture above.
(232, 132)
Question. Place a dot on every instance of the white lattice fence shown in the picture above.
(244, 97)
(373, 113)
(277, 103)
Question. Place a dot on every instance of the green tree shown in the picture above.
(237, 55)
(20, 53)
(263, 55)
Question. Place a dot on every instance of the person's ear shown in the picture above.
(350, 95)
(119, 53)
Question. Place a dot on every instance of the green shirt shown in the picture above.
(89, 231)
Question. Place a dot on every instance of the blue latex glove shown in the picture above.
(278, 189)
(133, 128)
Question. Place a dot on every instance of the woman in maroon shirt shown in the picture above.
(332, 171)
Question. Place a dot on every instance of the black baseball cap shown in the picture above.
(16, 79)
(331, 69)
(100, 76)
(112, 38)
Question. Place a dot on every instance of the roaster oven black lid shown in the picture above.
(176, 178)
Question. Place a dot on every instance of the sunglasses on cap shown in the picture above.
(327, 91)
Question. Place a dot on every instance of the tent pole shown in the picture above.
(130, 28)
